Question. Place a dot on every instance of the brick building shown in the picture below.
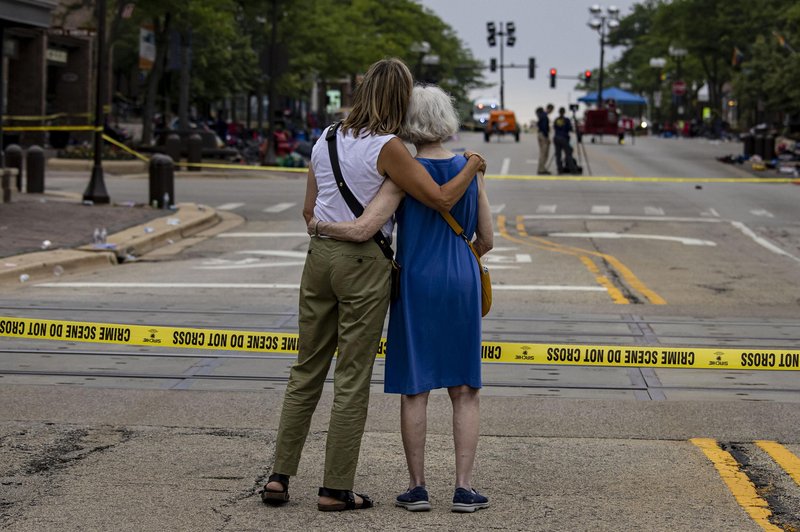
(49, 47)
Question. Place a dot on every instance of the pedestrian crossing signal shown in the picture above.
(553, 73)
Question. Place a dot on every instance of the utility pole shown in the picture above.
(509, 33)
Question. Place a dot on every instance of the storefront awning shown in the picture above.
(33, 13)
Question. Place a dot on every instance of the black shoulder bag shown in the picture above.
(358, 209)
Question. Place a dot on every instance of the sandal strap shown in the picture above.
(347, 497)
(282, 479)
(340, 495)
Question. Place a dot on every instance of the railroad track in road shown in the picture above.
(644, 384)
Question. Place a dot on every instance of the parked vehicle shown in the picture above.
(501, 122)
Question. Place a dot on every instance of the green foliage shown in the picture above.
(710, 31)
(318, 40)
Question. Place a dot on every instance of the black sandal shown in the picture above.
(276, 497)
(348, 500)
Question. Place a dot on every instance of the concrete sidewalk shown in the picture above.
(43, 236)
(108, 459)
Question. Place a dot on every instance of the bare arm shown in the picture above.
(379, 210)
(484, 232)
(311, 196)
(396, 163)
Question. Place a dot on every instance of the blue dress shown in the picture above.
(434, 338)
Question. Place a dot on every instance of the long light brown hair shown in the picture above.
(381, 99)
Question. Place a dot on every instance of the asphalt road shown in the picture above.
(713, 261)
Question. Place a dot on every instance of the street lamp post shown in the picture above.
(602, 22)
(657, 64)
(96, 190)
(677, 99)
(421, 48)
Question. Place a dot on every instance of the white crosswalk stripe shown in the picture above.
(601, 209)
(549, 209)
(280, 207)
(654, 211)
(229, 206)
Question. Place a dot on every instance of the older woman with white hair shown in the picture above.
(434, 338)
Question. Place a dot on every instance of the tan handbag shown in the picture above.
(486, 281)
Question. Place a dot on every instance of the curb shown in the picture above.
(188, 220)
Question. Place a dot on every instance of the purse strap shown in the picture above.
(454, 225)
(347, 194)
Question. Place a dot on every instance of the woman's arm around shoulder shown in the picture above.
(377, 213)
(484, 232)
(396, 163)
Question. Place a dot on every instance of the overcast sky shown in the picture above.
(552, 31)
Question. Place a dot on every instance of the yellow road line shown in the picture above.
(623, 270)
(510, 177)
(615, 294)
(738, 483)
(783, 457)
(244, 167)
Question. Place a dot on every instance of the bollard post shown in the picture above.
(6, 185)
(769, 147)
(194, 151)
(172, 147)
(34, 170)
(162, 181)
(14, 160)
(758, 146)
(749, 144)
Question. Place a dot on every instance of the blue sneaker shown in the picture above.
(414, 500)
(467, 501)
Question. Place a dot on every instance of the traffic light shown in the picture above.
(492, 30)
(493, 65)
(531, 67)
(510, 37)
(587, 76)
(553, 73)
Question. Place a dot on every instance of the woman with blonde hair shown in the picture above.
(434, 338)
(344, 291)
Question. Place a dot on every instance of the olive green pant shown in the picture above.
(344, 296)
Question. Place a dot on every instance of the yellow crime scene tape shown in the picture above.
(140, 156)
(52, 128)
(494, 352)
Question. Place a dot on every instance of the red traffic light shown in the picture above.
(553, 71)
(553, 78)
(587, 75)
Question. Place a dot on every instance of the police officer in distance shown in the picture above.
(562, 127)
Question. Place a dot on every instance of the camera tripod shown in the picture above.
(579, 147)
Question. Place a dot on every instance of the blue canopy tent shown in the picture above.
(620, 96)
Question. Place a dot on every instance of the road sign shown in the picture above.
(679, 88)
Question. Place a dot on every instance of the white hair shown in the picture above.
(431, 116)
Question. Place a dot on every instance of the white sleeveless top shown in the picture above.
(358, 158)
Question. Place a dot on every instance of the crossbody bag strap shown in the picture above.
(457, 229)
(347, 194)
